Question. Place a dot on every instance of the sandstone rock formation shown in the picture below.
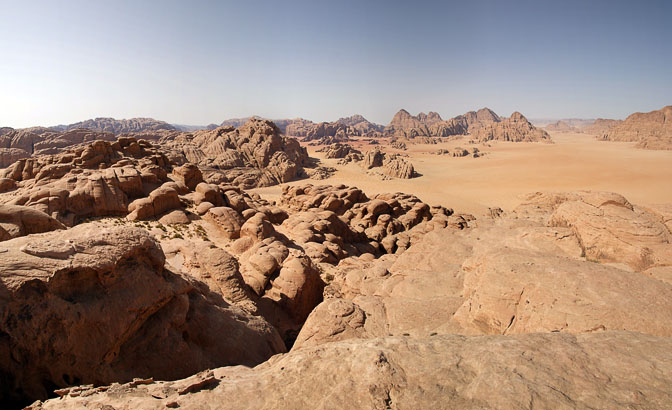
(363, 126)
(607, 226)
(404, 125)
(8, 156)
(484, 124)
(519, 273)
(20, 144)
(391, 165)
(297, 127)
(253, 155)
(604, 370)
(18, 221)
(344, 152)
(119, 126)
(333, 131)
(515, 128)
(237, 122)
(651, 130)
(94, 306)
(94, 180)
(561, 126)
(600, 126)
(326, 133)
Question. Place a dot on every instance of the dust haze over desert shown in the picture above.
(357, 205)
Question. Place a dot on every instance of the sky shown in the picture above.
(201, 62)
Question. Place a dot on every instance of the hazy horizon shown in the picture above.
(198, 63)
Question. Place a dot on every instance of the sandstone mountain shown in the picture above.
(119, 126)
(651, 130)
(484, 124)
(332, 132)
(362, 125)
(432, 125)
(297, 127)
(561, 126)
(237, 122)
(600, 126)
(515, 129)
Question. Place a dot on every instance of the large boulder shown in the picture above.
(18, 221)
(95, 305)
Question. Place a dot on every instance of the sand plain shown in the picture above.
(574, 161)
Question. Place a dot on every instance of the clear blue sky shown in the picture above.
(198, 62)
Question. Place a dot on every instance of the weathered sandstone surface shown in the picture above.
(119, 126)
(484, 124)
(600, 126)
(87, 305)
(651, 130)
(253, 155)
(603, 370)
(515, 129)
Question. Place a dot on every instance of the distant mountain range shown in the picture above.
(119, 126)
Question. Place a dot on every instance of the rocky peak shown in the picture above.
(352, 120)
(516, 116)
(485, 114)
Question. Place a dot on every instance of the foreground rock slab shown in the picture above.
(560, 371)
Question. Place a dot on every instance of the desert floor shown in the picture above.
(573, 162)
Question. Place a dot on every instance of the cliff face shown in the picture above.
(651, 130)
(484, 124)
(515, 129)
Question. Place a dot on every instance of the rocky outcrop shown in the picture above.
(651, 130)
(390, 165)
(18, 144)
(345, 152)
(363, 126)
(92, 305)
(404, 125)
(115, 126)
(560, 126)
(607, 226)
(8, 156)
(99, 179)
(254, 155)
(341, 130)
(333, 131)
(600, 126)
(297, 127)
(515, 129)
(603, 370)
(18, 221)
(333, 222)
(237, 122)
(520, 273)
